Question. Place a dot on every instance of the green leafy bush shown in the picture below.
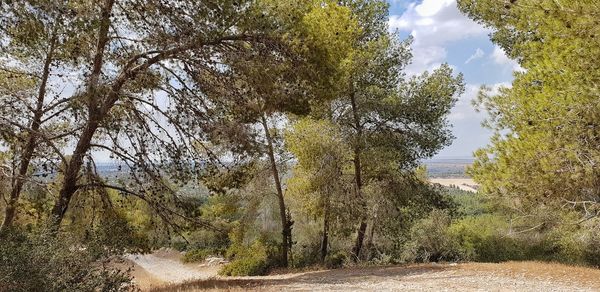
(251, 261)
(200, 254)
(483, 238)
(306, 255)
(255, 259)
(39, 262)
(592, 249)
(430, 240)
(570, 243)
(335, 260)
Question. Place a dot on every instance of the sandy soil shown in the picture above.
(526, 276)
(465, 184)
(164, 267)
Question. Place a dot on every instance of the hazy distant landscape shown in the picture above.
(448, 167)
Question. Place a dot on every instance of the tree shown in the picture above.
(144, 97)
(319, 182)
(265, 87)
(545, 149)
(387, 118)
(38, 36)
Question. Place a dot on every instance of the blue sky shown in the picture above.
(444, 35)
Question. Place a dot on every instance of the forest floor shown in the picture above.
(163, 272)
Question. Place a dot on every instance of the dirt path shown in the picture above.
(164, 267)
(431, 277)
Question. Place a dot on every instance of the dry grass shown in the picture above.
(544, 271)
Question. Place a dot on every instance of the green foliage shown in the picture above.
(483, 238)
(252, 260)
(430, 240)
(335, 260)
(546, 143)
(591, 253)
(306, 253)
(115, 232)
(468, 203)
(322, 156)
(200, 254)
(541, 162)
(39, 262)
(404, 200)
(490, 238)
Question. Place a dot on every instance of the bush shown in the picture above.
(306, 255)
(572, 244)
(562, 244)
(200, 254)
(483, 238)
(592, 250)
(430, 240)
(335, 260)
(38, 262)
(251, 261)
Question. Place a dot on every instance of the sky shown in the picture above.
(442, 34)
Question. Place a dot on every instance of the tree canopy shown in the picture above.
(545, 147)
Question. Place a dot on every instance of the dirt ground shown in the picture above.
(163, 274)
(163, 267)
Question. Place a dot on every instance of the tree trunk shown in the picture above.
(362, 227)
(325, 240)
(96, 113)
(71, 175)
(27, 153)
(285, 223)
(369, 244)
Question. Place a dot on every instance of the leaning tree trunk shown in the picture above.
(285, 223)
(30, 146)
(71, 174)
(362, 227)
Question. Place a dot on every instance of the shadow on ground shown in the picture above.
(324, 277)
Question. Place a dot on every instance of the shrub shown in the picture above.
(563, 244)
(335, 260)
(573, 244)
(483, 238)
(430, 240)
(38, 262)
(306, 255)
(179, 244)
(592, 248)
(200, 254)
(251, 261)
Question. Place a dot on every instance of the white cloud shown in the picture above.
(499, 57)
(432, 7)
(433, 24)
(464, 109)
(479, 53)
